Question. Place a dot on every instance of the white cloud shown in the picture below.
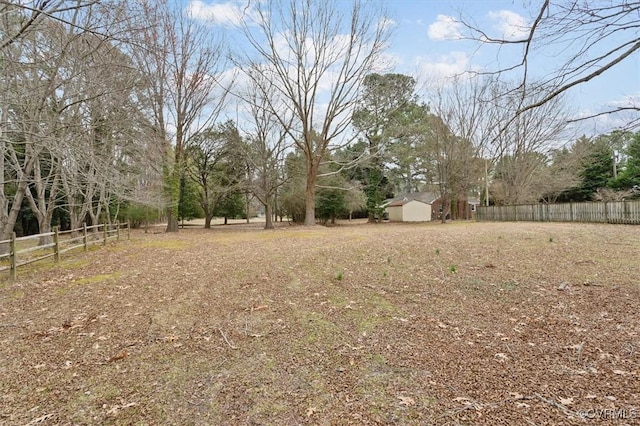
(596, 121)
(435, 72)
(509, 24)
(386, 62)
(445, 28)
(629, 101)
(228, 14)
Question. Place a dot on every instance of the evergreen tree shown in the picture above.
(380, 117)
(330, 204)
(188, 206)
(629, 177)
(230, 206)
(596, 168)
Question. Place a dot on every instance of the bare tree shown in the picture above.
(456, 163)
(183, 63)
(73, 143)
(590, 36)
(466, 123)
(317, 56)
(27, 16)
(475, 128)
(524, 144)
(40, 63)
(355, 199)
(562, 174)
(265, 149)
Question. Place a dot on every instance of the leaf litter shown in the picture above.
(237, 325)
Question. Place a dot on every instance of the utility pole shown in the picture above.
(486, 182)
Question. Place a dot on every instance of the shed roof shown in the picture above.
(424, 197)
(403, 202)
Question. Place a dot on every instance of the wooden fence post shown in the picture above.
(84, 236)
(117, 230)
(56, 245)
(104, 229)
(12, 257)
(128, 230)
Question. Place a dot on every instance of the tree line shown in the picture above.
(121, 110)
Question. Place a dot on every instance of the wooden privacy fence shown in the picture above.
(627, 212)
(21, 251)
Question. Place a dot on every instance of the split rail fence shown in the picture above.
(624, 212)
(20, 251)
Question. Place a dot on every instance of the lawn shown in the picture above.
(463, 323)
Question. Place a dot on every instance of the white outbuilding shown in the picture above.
(407, 210)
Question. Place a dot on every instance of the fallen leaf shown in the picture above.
(406, 400)
(311, 411)
(566, 401)
(501, 357)
(114, 410)
(119, 356)
(259, 308)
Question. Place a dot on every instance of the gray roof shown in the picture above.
(403, 202)
(425, 197)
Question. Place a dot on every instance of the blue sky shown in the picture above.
(426, 44)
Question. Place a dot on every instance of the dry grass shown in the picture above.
(367, 324)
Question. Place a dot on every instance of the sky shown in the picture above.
(427, 43)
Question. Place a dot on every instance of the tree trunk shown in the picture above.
(275, 206)
(173, 194)
(172, 221)
(310, 199)
(94, 221)
(73, 219)
(268, 216)
(310, 211)
(207, 220)
(446, 208)
(246, 198)
(107, 212)
(8, 221)
(43, 228)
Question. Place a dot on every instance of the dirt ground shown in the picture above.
(456, 324)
